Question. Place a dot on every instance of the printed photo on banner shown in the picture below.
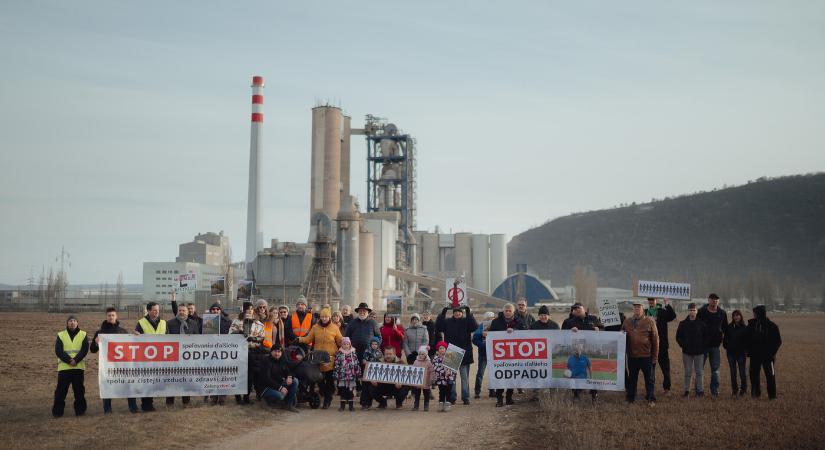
(245, 289)
(609, 312)
(218, 286)
(186, 282)
(172, 365)
(453, 357)
(662, 289)
(211, 324)
(455, 292)
(556, 359)
(395, 374)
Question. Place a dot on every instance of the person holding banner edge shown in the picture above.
(181, 324)
(580, 320)
(111, 326)
(506, 321)
(662, 314)
(642, 351)
(151, 323)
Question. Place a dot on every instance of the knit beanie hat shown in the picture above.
(442, 344)
(325, 312)
(423, 349)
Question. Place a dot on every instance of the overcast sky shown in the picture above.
(124, 126)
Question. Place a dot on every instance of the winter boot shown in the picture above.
(351, 405)
(343, 403)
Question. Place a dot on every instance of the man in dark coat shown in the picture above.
(361, 330)
(181, 324)
(662, 314)
(458, 330)
(692, 336)
(544, 322)
(111, 326)
(506, 321)
(523, 314)
(427, 321)
(275, 381)
(580, 320)
(762, 340)
(716, 320)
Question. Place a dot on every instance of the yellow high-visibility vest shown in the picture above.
(147, 327)
(72, 348)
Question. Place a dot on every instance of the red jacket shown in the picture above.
(392, 336)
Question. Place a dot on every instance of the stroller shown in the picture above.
(304, 366)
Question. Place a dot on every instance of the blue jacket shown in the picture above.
(480, 341)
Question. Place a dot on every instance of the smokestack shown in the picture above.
(254, 235)
(325, 182)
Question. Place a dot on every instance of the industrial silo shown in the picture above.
(325, 183)
(429, 253)
(464, 255)
(366, 249)
(481, 262)
(498, 259)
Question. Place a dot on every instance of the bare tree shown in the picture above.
(585, 282)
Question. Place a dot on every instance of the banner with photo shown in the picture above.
(556, 359)
(218, 286)
(186, 282)
(245, 289)
(395, 374)
(172, 365)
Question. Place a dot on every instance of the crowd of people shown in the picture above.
(343, 342)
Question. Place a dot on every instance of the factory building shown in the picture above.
(207, 248)
(481, 258)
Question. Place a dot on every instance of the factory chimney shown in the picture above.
(254, 235)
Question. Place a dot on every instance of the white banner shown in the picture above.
(609, 312)
(172, 365)
(186, 282)
(663, 289)
(556, 359)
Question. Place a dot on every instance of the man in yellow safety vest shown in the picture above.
(151, 323)
(70, 347)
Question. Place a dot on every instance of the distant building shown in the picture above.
(482, 258)
(280, 271)
(207, 248)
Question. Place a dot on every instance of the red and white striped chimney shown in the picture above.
(254, 234)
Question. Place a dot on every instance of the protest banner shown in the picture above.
(186, 282)
(556, 359)
(662, 289)
(453, 357)
(172, 365)
(609, 312)
(455, 290)
(218, 286)
(211, 324)
(395, 374)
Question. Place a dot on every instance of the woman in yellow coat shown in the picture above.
(325, 336)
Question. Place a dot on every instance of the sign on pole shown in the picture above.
(172, 365)
(609, 312)
(455, 290)
(663, 289)
(556, 359)
(186, 282)
(395, 374)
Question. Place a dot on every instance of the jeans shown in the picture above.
(712, 354)
(464, 373)
(107, 405)
(482, 366)
(765, 364)
(271, 395)
(645, 365)
(737, 361)
(694, 364)
(66, 378)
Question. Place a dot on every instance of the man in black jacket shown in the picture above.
(506, 321)
(523, 315)
(458, 330)
(111, 326)
(692, 336)
(70, 347)
(662, 314)
(361, 330)
(580, 320)
(181, 324)
(716, 320)
(275, 382)
(544, 322)
(427, 321)
(762, 341)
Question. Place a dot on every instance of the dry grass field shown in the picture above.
(795, 420)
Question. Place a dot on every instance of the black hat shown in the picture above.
(363, 305)
(543, 309)
(216, 305)
(247, 305)
(71, 317)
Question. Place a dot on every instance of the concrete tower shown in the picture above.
(254, 235)
(325, 183)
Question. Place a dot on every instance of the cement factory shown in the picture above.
(363, 253)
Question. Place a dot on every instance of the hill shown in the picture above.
(769, 232)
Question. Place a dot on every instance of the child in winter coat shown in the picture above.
(347, 371)
(444, 377)
(372, 354)
(423, 360)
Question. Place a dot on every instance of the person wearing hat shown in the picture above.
(110, 326)
(415, 337)
(325, 336)
(544, 322)
(361, 329)
(480, 341)
(301, 320)
(716, 320)
(223, 328)
(70, 347)
(662, 314)
(244, 324)
(458, 330)
(580, 320)
(762, 341)
(642, 351)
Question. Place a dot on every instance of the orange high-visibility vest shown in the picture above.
(301, 329)
(268, 335)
